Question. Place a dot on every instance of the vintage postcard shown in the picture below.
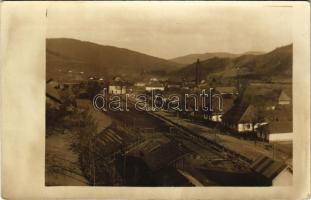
(166, 100)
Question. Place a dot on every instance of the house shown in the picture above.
(203, 86)
(173, 85)
(154, 86)
(73, 77)
(227, 90)
(154, 79)
(53, 98)
(160, 154)
(278, 131)
(70, 85)
(117, 79)
(225, 104)
(71, 80)
(170, 176)
(155, 162)
(140, 84)
(117, 87)
(270, 172)
(285, 177)
(53, 83)
(240, 118)
(279, 126)
(266, 96)
(284, 99)
(189, 84)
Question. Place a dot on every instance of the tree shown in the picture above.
(93, 88)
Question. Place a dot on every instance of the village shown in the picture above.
(248, 140)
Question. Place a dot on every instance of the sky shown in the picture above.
(172, 29)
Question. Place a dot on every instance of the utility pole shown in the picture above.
(197, 72)
(92, 163)
(273, 151)
(238, 79)
(215, 136)
(124, 164)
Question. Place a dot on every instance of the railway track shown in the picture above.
(144, 119)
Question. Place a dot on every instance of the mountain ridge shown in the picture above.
(276, 63)
(107, 61)
(191, 58)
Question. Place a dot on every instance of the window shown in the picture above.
(248, 126)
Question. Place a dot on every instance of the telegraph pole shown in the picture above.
(92, 163)
(197, 72)
(238, 79)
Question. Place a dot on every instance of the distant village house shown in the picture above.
(284, 99)
(117, 86)
(154, 87)
(227, 90)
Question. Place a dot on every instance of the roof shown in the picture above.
(161, 156)
(280, 127)
(258, 95)
(118, 83)
(137, 83)
(199, 176)
(117, 87)
(71, 83)
(173, 82)
(73, 77)
(155, 85)
(193, 180)
(265, 95)
(240, 113)
(226, 90)
(204, 86)
(53, 94)
(267, 167)
(117, 78)
(52, 83)
(226, 104)
(172, 177)
(281, 113)
(110, 141)
(284, 97)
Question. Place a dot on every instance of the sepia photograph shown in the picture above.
(176, 95)
(159, 100)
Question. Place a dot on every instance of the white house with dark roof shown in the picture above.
(117, 87)
(154, 86)
(240, 118)
(279, 131)
(279, 126)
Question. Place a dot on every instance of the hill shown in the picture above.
(276, 64)
(191, 58)
(107, 61)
